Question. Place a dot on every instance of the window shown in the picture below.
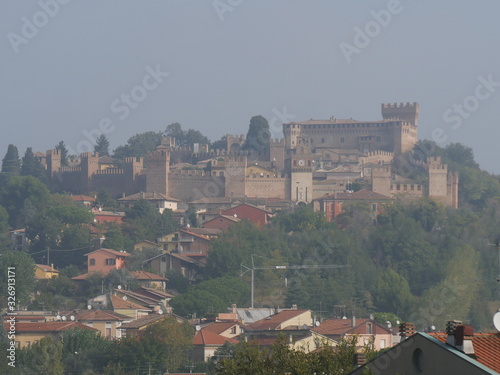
(382, 344)
(233, 330)
(92, 262)
(110, 262)
(342, 139)
(369, 329)
(322, 140)
(374, 207)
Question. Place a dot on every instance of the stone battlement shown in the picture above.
(70, 169)
(188, 173)
(110, 171)
(406, 105)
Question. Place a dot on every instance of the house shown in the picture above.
(83, 200)
(295, 324)
(221, 222)
(334, 205)
(128, 308)
(31, 333)
(158, 200)
(107, 322)
(155, 294)
(134, 328)
(187, 242)
(208, 232)
(103, 261)
(256, 215)
(149, 279)
(45, 272)
(164, 263)
(108, 217)
(460, 351)
(366, 330)
(229, 330)
(206, 343)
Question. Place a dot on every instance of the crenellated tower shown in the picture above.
(157, 170)
(235, 173)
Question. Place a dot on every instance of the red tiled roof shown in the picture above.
(120, 303)
(486, 348)
(97, 315)
(144, 321)
(157, 293)
(210, 338)
(143, 275)
(275, 321)
(219, 327)
(110, 251)
(47, 326)
(344, 326)
(194, 234)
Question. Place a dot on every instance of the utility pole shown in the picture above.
(283, 267)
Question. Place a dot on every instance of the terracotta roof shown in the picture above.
(147, 301)
(206, 231)
(154, 196)
(47, 268)
(143, 275)
(82, 198)
(204, 337)
(250, 205)
(219, 327)
(275, 322)
(335, 327)
(85, 276)
(188, 231)
(97, 315)
(144, 321)
(486, 348)
(111, 251)
(47, 326)
(158, 293)
(120, 303)
(147, 242)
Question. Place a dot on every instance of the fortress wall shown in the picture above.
(266, 187)
(192, 187)
(113, 182)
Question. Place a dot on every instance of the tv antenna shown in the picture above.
(282, 267)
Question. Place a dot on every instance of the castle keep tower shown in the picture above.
(403, 111)
(157, 169)
(301, 176)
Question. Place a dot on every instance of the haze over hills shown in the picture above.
(65, 76)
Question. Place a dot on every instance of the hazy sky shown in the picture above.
(131, 66)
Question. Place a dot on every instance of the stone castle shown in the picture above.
(315, 157)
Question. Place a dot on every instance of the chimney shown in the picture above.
(294, 307)
(460, 336)
(406, 330)
(233, 308)
(353, 321)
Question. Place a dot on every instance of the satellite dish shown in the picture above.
(118, 324)
(398, 322)
(235, 215)
(433, 328)
(160, 311)
(58, 317)
(89, 307)
(344, 317)
(496, 321)
(198, 327)
(317, 323)
(119, 286)
(64, 318)
(72, 317)
(124, 298)
(305, 326)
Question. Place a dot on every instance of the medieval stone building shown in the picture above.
(315, 157)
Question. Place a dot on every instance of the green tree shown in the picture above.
(221, 144)
(20, 267)
(114, 238)
(392, 293)
(139, 145)
(61, 147)
(43, 358)
(102, 145)
(17, 191)
(104, 200)
(5, 242)
(11, 165)
(258, 135)
(32, 166)
(185, 138)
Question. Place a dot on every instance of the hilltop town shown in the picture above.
(339, 244)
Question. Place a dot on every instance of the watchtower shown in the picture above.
(157, 169)
(401, 111)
